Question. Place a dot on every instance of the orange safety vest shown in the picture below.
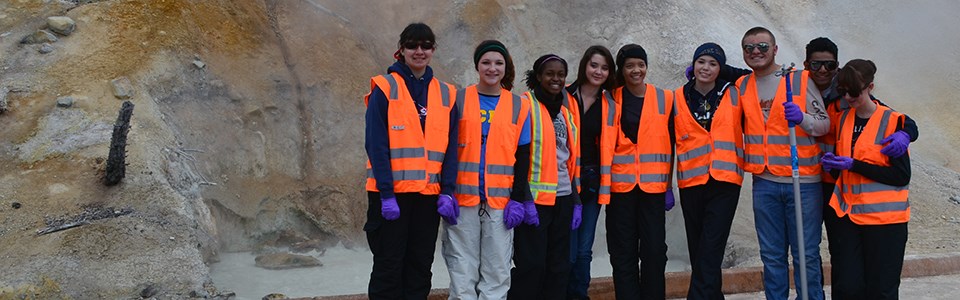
(717, 153)
(501, 147)
(828, 142)
(609, 129)
(868, 202)
(767, 142)
(416, 155)
(543, 148)
(648, 162)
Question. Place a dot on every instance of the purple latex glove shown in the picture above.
(899, 141)
(530, 216)
(513, 214)
(389, 208)
(837, 162)
(827, 156)
(792, 113)
(577, 216)
(669, 201)
(689, 72)
(448, 208)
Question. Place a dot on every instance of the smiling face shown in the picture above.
(491, 68)
(861, 100)
(634, 71)
(553, 77)
(706, 69)
(823, 74)
(753, 50)
(597, 70)
(419, 57)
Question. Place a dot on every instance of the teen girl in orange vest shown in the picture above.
(709, 139)
(542, 243)
(870, 206)
(411, 133)
(640, 140)
(494, 152)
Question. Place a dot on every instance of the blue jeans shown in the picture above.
(775, 220)
(581, 240)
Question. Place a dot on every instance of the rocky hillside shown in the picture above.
(247, 131)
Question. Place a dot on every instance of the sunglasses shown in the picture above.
(764, 47)
(830, 64)
(413, 45)
(853, 93)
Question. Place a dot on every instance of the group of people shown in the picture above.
(519, 179)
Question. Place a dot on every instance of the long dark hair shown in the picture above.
(611, 81)
(414, 32)
(856, 75)
(509, 73)
(531, 75)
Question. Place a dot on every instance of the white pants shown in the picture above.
(478, 252)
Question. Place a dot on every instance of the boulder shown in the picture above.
(39, 37)
(280, 261)
(45, 48)
(62, 25)
(65, 101)
(122, 88)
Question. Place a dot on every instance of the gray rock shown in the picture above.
(39, 37)
(122, 88)
(199, 64)
(280, 261)
(65, 101)
(3, 99)
(46, 48)
(62, 25)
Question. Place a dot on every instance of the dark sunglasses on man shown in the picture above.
(413, 45)
(829, 64)
(763, 46)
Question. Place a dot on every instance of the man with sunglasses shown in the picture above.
(767, 155)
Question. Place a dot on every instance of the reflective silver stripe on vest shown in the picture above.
(661, 101)
(880, 207)
(874, 187)
(467, 189)
(393, 86)
(785, 140)
(687, 174)
(498, 192)
(468, 167)
(697, 152)
(435, 156)
(756, 159)
(434, 178)
(883, 127)
(444, 94)
(499, 170)
(653, 177)
(369, 173)
(604, 190)
(605, 170)
(725, 146)
(517, 102)
(796, 84)
(461, 98)
(734, 98)
(827, 147)
(623, 178)
(838, 192)
(623, 159)
(753, 139)
(410, 175)
(611, 107)
(743, 84)
(543, 187)
(646, 158)
(787, 161)
(843, 119)
(406, 152)
(727, 166)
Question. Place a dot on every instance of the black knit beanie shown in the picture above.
(711, 49)
(630, 51)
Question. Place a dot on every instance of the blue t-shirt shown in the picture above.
(488, 104)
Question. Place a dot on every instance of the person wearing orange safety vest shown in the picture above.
(767, 155)
(709, 140)
(494, 162)
(637, 145)
(870, 208)
(411, 131)
(542, 243)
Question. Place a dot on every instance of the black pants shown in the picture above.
(827, 189)
(402, 248)
(867, 259)
(541, 255)
(708, 212)
(636, 235)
